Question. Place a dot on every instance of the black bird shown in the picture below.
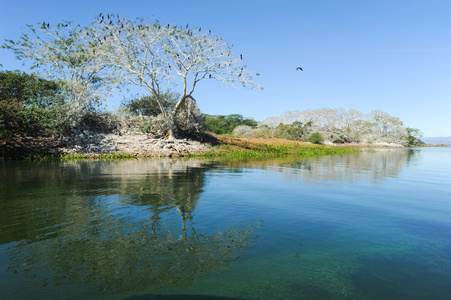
(186, 26)
(209, 31)
(241, 56)
(111, 22)
(209, 76)
(48, 25)
(299, 68)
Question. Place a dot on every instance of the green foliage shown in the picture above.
(413, 137)
(27, 89)
(315, 138)
(29, 103)
(225, 124)
(148, 105)
(296, 131)
(253, 150)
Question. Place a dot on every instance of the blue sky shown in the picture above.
(392, 55)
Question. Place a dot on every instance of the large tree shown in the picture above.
(157, 56)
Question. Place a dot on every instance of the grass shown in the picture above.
(229, 147)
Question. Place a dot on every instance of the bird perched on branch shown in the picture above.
(299, 68)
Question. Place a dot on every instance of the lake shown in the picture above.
(371, 225)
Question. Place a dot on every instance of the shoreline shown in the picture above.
(132, 143)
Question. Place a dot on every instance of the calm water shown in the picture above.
(374, 225)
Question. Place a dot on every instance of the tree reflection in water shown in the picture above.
(142, 237)
(374, 165)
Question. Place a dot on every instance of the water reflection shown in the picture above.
(116, 226)
(374, 165)
(135, 225)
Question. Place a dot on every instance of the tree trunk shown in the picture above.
(171, 135)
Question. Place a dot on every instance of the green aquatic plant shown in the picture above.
(254, 150)
(80, 156)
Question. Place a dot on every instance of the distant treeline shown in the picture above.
(336, 126)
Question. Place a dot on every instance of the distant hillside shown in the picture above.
(446, 140)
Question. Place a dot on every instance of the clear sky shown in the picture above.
(391, 55)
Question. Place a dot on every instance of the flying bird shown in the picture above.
(299, 68)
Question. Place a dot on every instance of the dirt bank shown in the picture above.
(130, 141)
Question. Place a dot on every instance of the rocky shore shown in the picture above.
(130, 141)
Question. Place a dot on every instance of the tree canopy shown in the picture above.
(66, 52)
(29, 103)
(154, 56)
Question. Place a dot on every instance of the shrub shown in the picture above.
(148, 105)
(243, 130)
(156, 125)
(315, 138)
(226, 124)
(99, 121)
